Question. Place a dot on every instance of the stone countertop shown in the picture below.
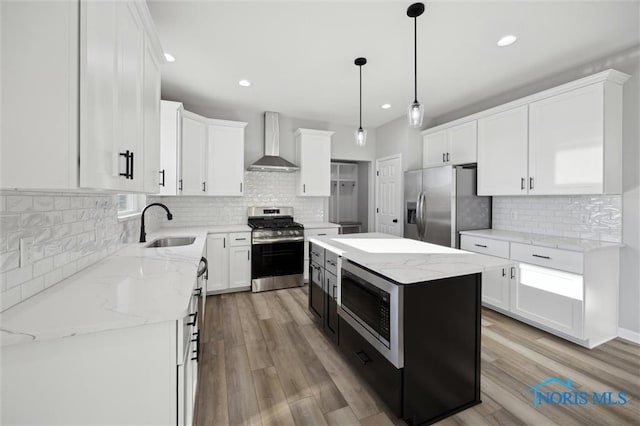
(564, 243)
(132, 287)
(318, 225)
(407, 261)
(209, 229)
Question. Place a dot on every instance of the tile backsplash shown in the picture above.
(583, 216)
(261, 189)
(70, 230)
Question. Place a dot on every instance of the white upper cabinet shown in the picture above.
(92, 66)
(502, 153)
(170, 144)
(193, 155)
(225, 158)
(568, 145)
(453, 145)
(153, 178)
(313, 156)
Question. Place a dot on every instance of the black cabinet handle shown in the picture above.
(248, 254)
(204, 186)
(126, 159)
(363, 357)
(443, 156)
(522, 184)
(530, 183)
(541, 257)
(197, 350)
(513, 272)
(320, 235)
(480, 245)
(131, 158)
(197, 292)
(224, 242)
(162, 174)
(304, 187)
(504, 273)
(180, 184)
(240, 239)
(240, 186)
(447, 156)
(195, 318)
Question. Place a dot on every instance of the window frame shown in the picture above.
(134, 204)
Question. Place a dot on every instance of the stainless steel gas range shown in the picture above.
(277, 249)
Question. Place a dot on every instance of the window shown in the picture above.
(130, 204)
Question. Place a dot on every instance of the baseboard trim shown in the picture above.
(631, 336)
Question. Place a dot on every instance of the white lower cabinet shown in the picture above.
(229, 256)
(314, 232)
(571, 294)
(135, 375)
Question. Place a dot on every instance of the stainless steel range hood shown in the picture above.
(271, 161)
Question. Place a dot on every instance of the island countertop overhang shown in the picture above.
(406, 261)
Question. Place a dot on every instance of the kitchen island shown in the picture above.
(406, 314)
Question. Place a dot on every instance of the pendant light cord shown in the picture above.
(360, 96)
(415, 60)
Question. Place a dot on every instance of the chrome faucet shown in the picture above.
(143, 234)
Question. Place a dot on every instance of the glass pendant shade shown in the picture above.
(415, 113)
(361, 137)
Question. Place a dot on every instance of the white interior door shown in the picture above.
(389, 198)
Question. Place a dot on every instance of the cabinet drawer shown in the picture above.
(239, 239)
(331, 262)
(321, 232)
(316, 254)
(549, 257)
(383, 377)
(485, 246)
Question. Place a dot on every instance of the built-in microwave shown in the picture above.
(372, 305)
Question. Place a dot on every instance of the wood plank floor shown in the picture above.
(264, 362)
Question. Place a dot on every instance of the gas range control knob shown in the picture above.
(279, 233)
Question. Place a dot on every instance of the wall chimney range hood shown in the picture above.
(271, 161)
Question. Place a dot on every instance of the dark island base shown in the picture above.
(441, 374)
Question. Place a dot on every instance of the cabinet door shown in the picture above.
(314, 160)
(129, 60)
(316, 292)
(240, 267)
(502, 153)
(218, 257)
(100, 161)
(548, 297)
(495, 288)
(434, 149)
(170, 137)
(331, 307)
(226, 160)
(566, 145)
(151, 104)
(193, 150)
(462, 143)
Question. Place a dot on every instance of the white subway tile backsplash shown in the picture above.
(582, 216)
(261, 189)
(71, 231)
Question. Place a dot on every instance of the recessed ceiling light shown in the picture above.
(169, 57)
(244, 83)
(507, 40)
(386, 106)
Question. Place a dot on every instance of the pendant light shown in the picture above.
(361, 134)
(415, 112)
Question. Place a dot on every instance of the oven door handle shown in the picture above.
(277, 240)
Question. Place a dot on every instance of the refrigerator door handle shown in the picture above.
(421, 215)
(418, 216)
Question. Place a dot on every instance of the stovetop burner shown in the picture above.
(272, 218)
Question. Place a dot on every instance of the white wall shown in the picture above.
(627, 61)
(396, 137)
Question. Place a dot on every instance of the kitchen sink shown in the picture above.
(171, 242)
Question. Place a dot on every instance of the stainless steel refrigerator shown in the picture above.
(442, 201)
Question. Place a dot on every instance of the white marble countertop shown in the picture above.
(565, 243)
(132, 287)
(317, 225)
(407, 261)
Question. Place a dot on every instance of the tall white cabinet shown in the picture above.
(112, 97)
(313, 155)
(193, 154)
(225, 158)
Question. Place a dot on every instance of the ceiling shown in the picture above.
(299, 55)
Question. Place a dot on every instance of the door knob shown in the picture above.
(395, 220)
